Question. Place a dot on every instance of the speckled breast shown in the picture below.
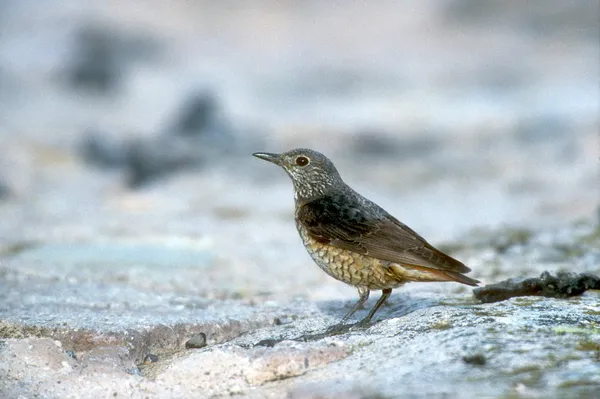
(347, 266)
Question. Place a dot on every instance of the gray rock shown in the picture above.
(564, 285)
(102, 55)
(5, 191)
(99, 149)
(198, 114)
(196, 342)
(378, 145)
(548, 18)
(425, 343)
(476, 359)
(199, 134)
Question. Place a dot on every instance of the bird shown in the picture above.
(353, 239)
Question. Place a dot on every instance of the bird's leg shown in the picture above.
(385, 294)
(364, 295)
(363, 292)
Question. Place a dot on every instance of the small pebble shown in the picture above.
(269, 343)
(278, 321)
(135, 371)
(477, 359)
(150, 358)
(196, 342)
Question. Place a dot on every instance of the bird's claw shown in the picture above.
(338, 329)
(364, 323)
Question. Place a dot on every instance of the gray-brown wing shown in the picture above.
(375, 233)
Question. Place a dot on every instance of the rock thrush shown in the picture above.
(353, 239)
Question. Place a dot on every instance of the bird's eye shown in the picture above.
(302, 161)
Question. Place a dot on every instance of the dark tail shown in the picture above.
(461, 278)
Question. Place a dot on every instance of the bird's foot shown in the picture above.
(363, 324)
(336, 329)
(330, 332)
(339, 328)
(342, 328)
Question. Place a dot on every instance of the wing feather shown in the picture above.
(372, 231)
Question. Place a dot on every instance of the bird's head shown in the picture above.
(313, 174)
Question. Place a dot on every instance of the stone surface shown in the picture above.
(426, 341)
(482, 140)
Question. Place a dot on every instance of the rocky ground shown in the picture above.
(96, 328)
(144, 252)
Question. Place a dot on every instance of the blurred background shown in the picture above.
(135, 120)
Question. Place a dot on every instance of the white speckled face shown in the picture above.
(313, 173)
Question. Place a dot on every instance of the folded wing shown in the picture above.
(375, 233)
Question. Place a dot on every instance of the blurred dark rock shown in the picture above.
(500, 79)
(101, 150)
(142, 159)
(96, 65)
(197, 114)
(5, 191)
(376, 144)
(314, 83)
(562, 286)
(542, 128)
(102, 56)
(150, 159)
(201, 121)
(3, 7)
(554, 132)
(510, 238)
(578, 19)
(200, 132)
(3, 86)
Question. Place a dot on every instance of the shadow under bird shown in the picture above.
(353, 239)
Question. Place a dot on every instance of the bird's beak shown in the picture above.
(267, 156)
